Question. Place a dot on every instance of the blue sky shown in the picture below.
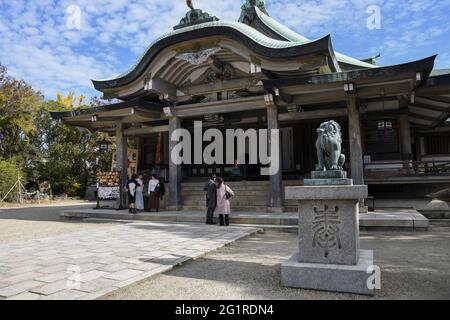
(37, 45)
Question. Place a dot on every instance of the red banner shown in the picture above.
(158, 149)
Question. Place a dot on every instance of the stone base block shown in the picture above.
(328, 182)
(330, 174)
(328, 277)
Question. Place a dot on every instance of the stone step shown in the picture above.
(237, 197)
(244, 183)
(230, 183)
(440, 222)
(291, 203)
(436, 215)
(261, 189)
(233, 202)
(233, 208)
(246, 193)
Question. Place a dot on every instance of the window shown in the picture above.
(382, 141)
(385, 124)
(438, 144)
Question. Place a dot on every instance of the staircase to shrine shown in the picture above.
(250, 196)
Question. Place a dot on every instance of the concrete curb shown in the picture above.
(395, 220)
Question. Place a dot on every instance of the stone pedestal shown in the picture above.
(329, 277)
(329, 256)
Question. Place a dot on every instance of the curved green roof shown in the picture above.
(250, 32)
(290, 35)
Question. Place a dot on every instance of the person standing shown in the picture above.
(153, 192)
(211, 199)
(132, 186)
(140, 194)
(223, 209)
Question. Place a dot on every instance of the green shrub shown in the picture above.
(72, 187)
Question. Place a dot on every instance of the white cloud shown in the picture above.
(36, 45)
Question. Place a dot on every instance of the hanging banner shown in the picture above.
(158, 149)
(132, 162)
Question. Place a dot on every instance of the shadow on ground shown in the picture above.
(39, 213)
(414, 266)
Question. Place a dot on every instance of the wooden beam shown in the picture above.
(285, 98)
(420, 122)
(144, 112)
(222, 106)
(430, 107)
(225, 85)
(312, 115)
(102, 124)
(334, 92)
(433, 90)
(437, 98)
(161, 87)
(423, 117)
(354, 128)
(175, 198)
(433, 102)
(276, 203)
(405, 137)
(145, 130)
(122, 163)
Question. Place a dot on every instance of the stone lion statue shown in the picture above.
(329, 148)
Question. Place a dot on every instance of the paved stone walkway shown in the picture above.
(89, 264)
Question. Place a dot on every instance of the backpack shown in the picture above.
(162, 189)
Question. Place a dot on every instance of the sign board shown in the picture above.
(108, 193)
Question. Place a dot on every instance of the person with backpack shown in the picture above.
(161, 188)
(223, 208)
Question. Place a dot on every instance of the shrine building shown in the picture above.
(256, 73)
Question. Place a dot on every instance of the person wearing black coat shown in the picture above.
(132, 186)
(211, 199)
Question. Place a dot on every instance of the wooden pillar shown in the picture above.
(122, 163)
(405, 137)
(175, 199)
(276, 198)
(354, 128)
(140, 154)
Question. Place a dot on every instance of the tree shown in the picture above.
(46, 149)
(18, 103)
(63, 155)
(70, 101)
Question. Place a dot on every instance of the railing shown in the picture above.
(406, 169)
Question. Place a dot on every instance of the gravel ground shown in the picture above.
(414, 266)
(38, 222)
